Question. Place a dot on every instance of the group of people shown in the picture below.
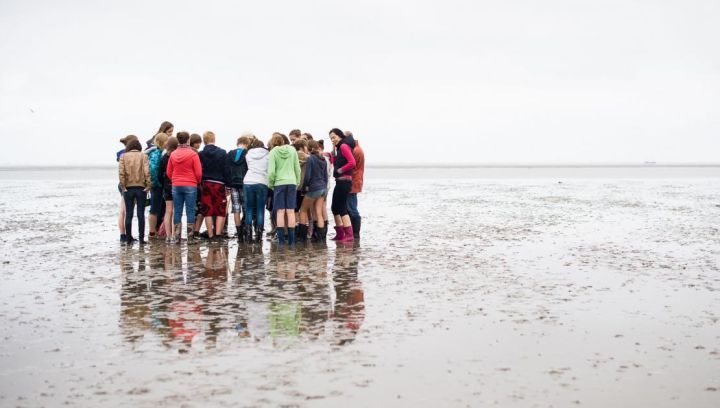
(291, 176)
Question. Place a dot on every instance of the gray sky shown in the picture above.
(557, 81)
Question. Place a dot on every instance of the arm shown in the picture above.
(271, 171)
(146, 170)
(197, 168)
(347, 154)
(308, 174)
(297, 170)
(170, 169)
(121, 173)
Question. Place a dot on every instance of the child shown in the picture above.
(255, 189)
(343, 165)
(185, 171)
(283, 178)
(314, 183)
(238, 170)
(166, 183)
(134, 174)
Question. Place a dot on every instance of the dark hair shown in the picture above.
(321, 143)
(195, 138)
(339, 133)
(314, 148)
(285, 138)
(183, 137)
(307, 135)
(255, 142)
(295, 132)
(133, 145)
(299, 144)
(171, 144)
(162, 129)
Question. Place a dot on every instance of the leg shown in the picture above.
(121, 217)
(129, 210)
(168, 220)
(141, 214)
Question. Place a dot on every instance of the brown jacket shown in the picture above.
(359, 170)
(134, 170)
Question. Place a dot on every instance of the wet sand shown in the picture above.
(467, 289)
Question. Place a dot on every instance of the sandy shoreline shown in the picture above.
(462, 292)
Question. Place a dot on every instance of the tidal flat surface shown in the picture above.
(466, 289)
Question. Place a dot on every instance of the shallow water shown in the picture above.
(467, 289)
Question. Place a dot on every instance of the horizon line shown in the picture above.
(416, 165)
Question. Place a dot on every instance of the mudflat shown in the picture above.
(469, 287)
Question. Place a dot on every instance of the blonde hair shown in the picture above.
(208, 137)
(160, 140)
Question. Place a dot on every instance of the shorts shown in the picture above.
(285, 197)
(237, 197)
(213, 201)
(298, 201)
(167, 194)
(316, 193)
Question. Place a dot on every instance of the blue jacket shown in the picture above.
(316, 177)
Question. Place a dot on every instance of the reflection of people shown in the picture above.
(349, 297)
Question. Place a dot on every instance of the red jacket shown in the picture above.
(184, 169)
(358, 172)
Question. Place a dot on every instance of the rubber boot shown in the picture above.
(259, 230)
(177, 231)
(339, 233)
(280, 232)
(302, 233)
(356, 224)
(348, 234)
(240, 233)
(190, 234)
(316, 233)
(291, 233)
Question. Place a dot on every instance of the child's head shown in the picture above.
(133, 144)
(277, 139)
(294, 135)
(160, 140)
(172, 144)
(306, 136)
(183, 137)
(314, 147)
(208, 137)
(300, 145)
(127, 139)
(195, 141)
(243, 141)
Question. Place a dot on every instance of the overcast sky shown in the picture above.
(553, 81)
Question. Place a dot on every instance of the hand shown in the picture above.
(146, 189)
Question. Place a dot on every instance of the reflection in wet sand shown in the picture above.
(191, 297)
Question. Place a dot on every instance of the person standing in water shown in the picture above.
(284, 179)
(134, 175)
(343, 165)
(238, 170)
(216, 173)
(357, 184)
(255, 188)
(185, 171)
(170, 147)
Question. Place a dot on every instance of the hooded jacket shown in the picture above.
(344, 161)
(283, 167)
(134, 170)
(154, 154)
(184, 167)
(359, 170)
(316, 177)
(215, 166)
(257, 163)
(238, 167)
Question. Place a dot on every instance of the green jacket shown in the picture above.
(283, 167)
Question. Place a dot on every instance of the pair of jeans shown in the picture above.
(184, 196)
(255, 195)
(135, 196)
(352, 206)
